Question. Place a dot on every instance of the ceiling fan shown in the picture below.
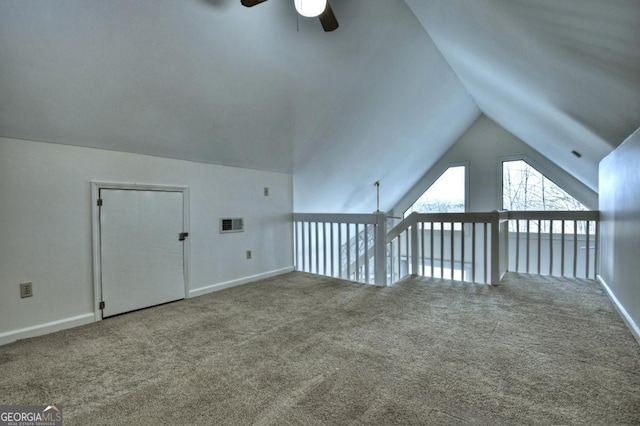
(310, 8)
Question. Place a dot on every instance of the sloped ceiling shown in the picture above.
(561, 75)
(215, 82)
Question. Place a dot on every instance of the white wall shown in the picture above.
(620, 229)
(483, 147)
(45, 226)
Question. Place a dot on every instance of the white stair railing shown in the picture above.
(341, 245)
(461, 246)
(474, 247)
(559, 243)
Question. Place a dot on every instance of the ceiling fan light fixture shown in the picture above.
(310, 8)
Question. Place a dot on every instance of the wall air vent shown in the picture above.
(231, 224)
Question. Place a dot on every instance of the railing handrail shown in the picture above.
(466, 217)
(360, 218)
(406, 223)
(459, 217)
(554, 215)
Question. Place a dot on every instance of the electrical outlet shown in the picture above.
(266, 191)
(248, 254)
(26, 290)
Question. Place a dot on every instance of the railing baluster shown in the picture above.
(400, 256)
(517, 245)
(452, 253)
(310, 251)
(431, 246)
(306, 247)
(302, 241)
(539, 245)
(310, 247)
(317, 248)
(575, 248)
(392, 264)
(587, 249)
(327, 254)
(397, 256)
(348, 251)
(357, 251)
(441, 250)
(551, 247)
(473, 252)
(562, 250)
(596, 242)
(340, 250)
(366, 253)
(390, 261)
(422, 246)
(311, 242)
(301, 246)
(528, 243)
(324, 248)
(295, 245)
(462, 252)
(407, 251)
(485, 253)
(332, 250)
(398, 243)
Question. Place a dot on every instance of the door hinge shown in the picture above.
(183, 235)
(99, 201)
(102, 304)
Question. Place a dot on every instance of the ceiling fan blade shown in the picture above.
(328, 19)
(251, 3)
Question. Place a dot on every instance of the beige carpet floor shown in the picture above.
(300, 349)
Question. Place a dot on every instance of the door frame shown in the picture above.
(96, 186)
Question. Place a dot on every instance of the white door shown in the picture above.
(141, 254)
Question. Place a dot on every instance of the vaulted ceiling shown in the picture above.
(380, 98)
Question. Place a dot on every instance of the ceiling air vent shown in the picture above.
(231, 224)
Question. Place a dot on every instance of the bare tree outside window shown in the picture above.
(524, 189)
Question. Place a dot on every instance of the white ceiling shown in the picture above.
(561, 75)
(378, 99)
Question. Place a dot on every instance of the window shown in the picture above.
(525, 188)
(446, 195)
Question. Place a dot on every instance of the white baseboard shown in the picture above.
(233, 283)
(50, 327)
(633, 327)
(76, 321)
